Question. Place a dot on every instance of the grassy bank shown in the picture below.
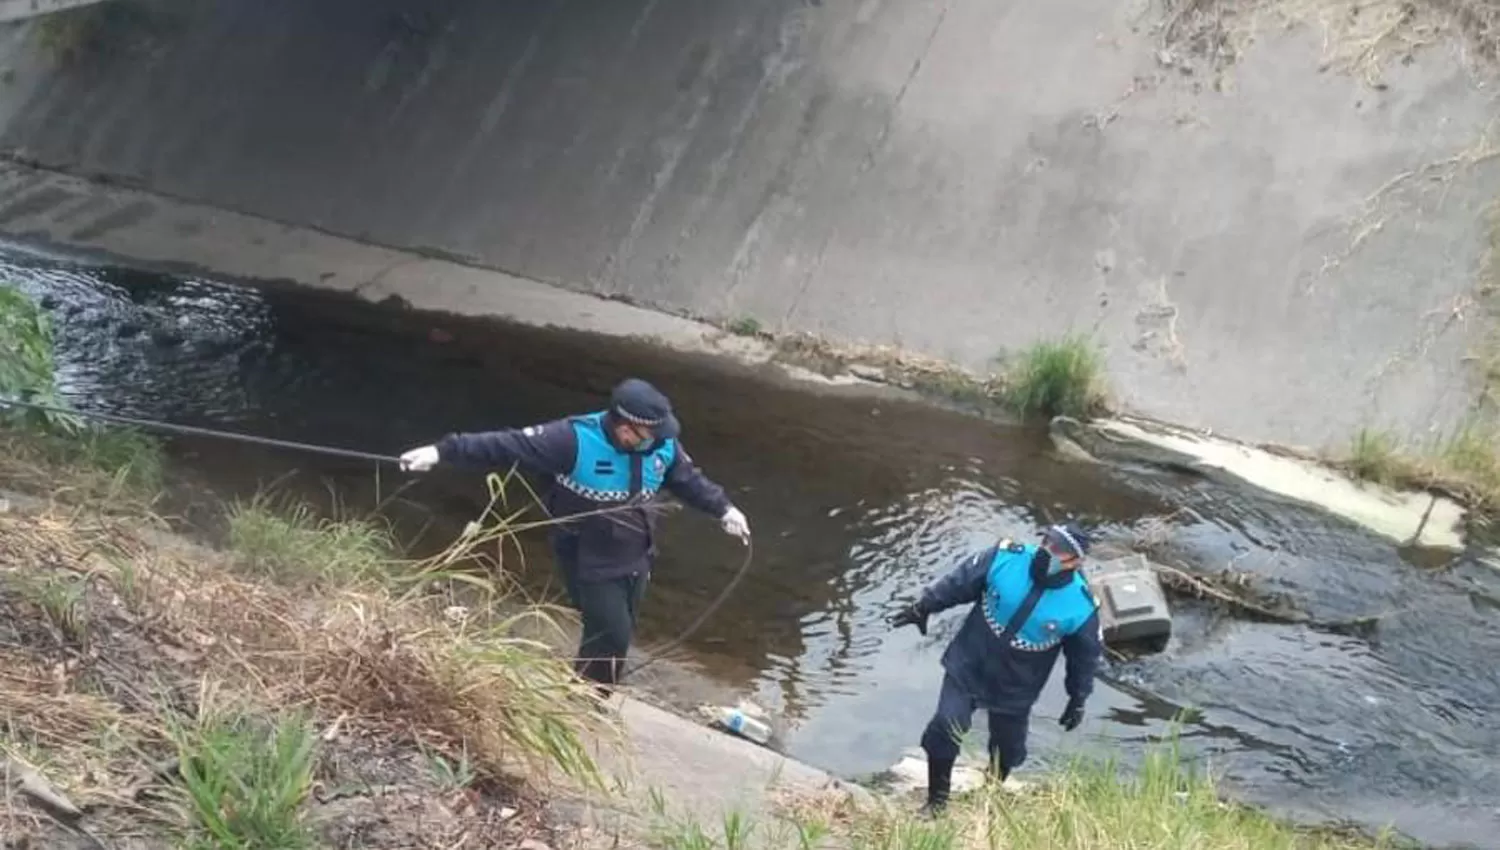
(1465, 464)
(302, 686)
(1088, 805)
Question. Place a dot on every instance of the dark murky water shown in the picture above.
(856, 502)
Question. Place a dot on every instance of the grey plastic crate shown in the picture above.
(1132, 604)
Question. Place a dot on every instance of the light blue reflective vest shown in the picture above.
(601, 472)
(1059, 612)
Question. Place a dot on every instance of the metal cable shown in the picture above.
(194, 431)
(708, 611)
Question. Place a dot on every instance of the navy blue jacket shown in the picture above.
(598, 547)
(1000, 677)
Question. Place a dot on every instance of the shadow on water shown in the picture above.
(856, 501)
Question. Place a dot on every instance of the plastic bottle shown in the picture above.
(742, 724)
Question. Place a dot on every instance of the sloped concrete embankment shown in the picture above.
(1263, 244)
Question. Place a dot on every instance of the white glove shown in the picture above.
(734, 523)
(420, 460)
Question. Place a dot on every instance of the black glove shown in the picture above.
(911, 615)
(1072, 715)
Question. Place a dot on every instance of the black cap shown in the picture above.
(1069, 538)
(636, 401)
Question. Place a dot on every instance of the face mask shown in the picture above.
(1054, 565)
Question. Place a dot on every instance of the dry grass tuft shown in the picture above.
(37, 700)
(1358, 37)
(479, 688)
(1465, 463)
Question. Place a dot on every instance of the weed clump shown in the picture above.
(1056, 378)
(1466, 463)
(1374, 456)
(1472, 456)
(243, 783)
(503, 699)
(745, 326)
(292, 542)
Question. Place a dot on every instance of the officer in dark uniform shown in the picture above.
(1029, 604)
(607, 466)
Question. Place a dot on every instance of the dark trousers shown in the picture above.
(608, 609)
(955, 714)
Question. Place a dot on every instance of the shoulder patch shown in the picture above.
(1010, 545)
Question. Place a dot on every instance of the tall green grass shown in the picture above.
(286, 540)
(1056, 378)
(1087, 804)
(244, 782)
(1375, 456)
(1097, 805)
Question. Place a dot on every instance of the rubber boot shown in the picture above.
(939, 784)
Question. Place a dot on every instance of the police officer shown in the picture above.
(608, 466)
(1029, 603)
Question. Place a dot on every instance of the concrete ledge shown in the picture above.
(703, 775)
(43, 206)
(1404, 517)
(20, 10)
(704, 768)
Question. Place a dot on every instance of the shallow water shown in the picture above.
(855, 502)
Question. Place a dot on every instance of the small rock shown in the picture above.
(506, 813)
(867, 372)
(533, 844)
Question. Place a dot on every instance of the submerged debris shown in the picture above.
(1236, 591)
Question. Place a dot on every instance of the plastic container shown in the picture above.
(742, 724)
(1133, 607)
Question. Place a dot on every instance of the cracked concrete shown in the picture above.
(1260, 246)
